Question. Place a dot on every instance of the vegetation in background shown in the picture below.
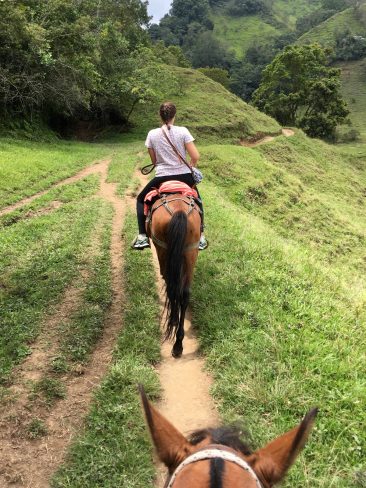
(217, 74)
(74, 62)
(299, 89)
(208, 110)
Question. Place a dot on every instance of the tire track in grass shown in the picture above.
(96, 167)
(31, 463)
(185, 383)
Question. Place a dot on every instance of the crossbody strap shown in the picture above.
(176, 151)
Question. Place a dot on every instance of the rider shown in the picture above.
(168, 165)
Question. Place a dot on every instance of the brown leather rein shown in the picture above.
(164, 202)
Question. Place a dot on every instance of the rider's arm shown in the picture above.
(193, 152)
(152, 155)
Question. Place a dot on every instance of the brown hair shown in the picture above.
(167, 112)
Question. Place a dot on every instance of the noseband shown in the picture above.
(215, 452)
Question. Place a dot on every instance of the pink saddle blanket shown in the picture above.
(172, 186)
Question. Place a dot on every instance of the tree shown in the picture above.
(300, 89)
(210, 52)
(217, 74)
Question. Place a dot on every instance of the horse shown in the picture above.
(174, 226)
(217, 458)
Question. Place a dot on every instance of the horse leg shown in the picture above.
(179, 336)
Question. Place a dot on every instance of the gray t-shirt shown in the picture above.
(167, 162)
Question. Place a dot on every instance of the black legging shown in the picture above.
(155, 183)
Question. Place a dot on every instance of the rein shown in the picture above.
(189, 201)
(215, 452)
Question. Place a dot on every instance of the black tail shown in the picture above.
(175, 272)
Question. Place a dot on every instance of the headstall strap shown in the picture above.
(215, 453)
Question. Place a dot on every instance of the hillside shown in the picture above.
(208, 109)
(354, 91)
(241, 32)
(348, 20)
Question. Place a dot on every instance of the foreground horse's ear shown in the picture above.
(272, 461)
(172, 447)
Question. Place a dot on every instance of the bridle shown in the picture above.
(214, 452)
(189, 201)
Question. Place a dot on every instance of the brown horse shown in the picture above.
(217, 458)
(174, 225)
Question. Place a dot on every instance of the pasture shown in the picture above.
(278, 305)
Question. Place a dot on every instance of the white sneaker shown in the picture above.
(140, 242)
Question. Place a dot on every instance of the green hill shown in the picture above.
(208, 109)
(349, 20)
(354, 91)
(240, 32)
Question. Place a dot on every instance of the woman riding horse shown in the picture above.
(168, 165)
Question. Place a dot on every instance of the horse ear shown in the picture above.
(172, 447)
(273, 461)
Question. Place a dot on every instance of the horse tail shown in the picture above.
(175, 271)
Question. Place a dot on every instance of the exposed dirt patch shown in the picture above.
(97, 167)
(266, 139)
(186, 400)
(31, 463)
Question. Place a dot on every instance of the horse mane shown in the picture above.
(229, 436)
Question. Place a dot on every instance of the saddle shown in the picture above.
(168, 188)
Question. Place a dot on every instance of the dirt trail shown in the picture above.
(26, 463)
(186, 400)
(266, 139)
(96, 167)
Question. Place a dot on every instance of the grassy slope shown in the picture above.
(208, 110)
(354, 91)
(28, 167)
(279, 298)
(324, 33)
(240, 32)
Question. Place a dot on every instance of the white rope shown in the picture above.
(214, 454)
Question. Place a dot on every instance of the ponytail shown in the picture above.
(167, 113)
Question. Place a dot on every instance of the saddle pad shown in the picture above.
(172, 186)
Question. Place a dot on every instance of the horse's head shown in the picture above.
(218, 458)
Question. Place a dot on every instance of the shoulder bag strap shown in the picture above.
(176, 150)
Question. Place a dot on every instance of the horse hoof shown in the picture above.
(177, 352)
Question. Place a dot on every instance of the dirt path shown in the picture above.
(96, 167)
(266, 139)
(31, 463)
(186, 400)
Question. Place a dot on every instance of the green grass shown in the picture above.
(29, 167)
(289, 11)
(354, 92)
(208, 110)
(238, 33)
(324, 33)
(80, 333)
(305, 189)
(39, 257)
(281, 335)
(114, 449)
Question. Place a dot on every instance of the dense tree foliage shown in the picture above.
(83, 60)
(299, 88)
(217, 74)
(247, 7)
